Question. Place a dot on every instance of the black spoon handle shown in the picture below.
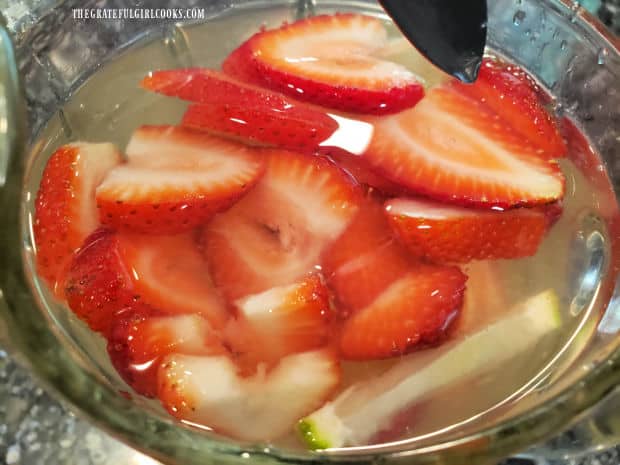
(450, 33)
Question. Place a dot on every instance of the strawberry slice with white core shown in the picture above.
(511, 93)
(248, 113)
(451, 148)
(137, 343)
(334, 61)
(445, 233)
(175, 179)
(115, 271)
(414, 310)
(209, 391)
(351, 263)
(65, 209)
(282, 321)
(185, 334)
(275, 235)
(171, 274)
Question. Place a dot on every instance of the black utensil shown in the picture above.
(450, 33)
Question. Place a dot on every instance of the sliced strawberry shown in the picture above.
(263, 126)
(451, 148)
(114, 271)
(275, 235)
(282, 321)
(364, 260)
(207, 86)
(98, 285)
(334, 61)
(444, 233)
(65, 210)
(175, 180)
(244, 112)
(241, 64)
(171, 274)
(510, 92)
(138, 342)
(209, 391)
(414, 310)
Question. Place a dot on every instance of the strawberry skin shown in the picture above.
(350, 265)
(207, 86)
(302, 130)
(510, 92)
(443, 233)
(209, 390)
(228, 107)
(97, 284)
(138, 342)
(282, 321)
(275, 235)
(175, 179)
(451, 148)
(65, 210)
(415, 310)
(333, 61)
(113, 272)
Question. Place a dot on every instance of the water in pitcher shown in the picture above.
(491, 354)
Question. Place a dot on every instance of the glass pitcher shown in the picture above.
(53, 55)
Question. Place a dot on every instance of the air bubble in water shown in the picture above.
(602, 56)
(518, 17)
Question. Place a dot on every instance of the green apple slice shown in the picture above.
(366, 407)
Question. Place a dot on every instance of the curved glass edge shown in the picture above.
(53, 363)
(12, 130)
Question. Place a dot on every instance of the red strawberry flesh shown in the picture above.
(333, 61)
(65, 209)
(282, 321)
(413, 311)
(511, 93)
(274, 236)
(139, 341)
(451, 148)
(171, 274)
(234, 109)
(175, 179)
(115, 271)
(444, 233)
(98, 285)
(364, 260)
(301, 130)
